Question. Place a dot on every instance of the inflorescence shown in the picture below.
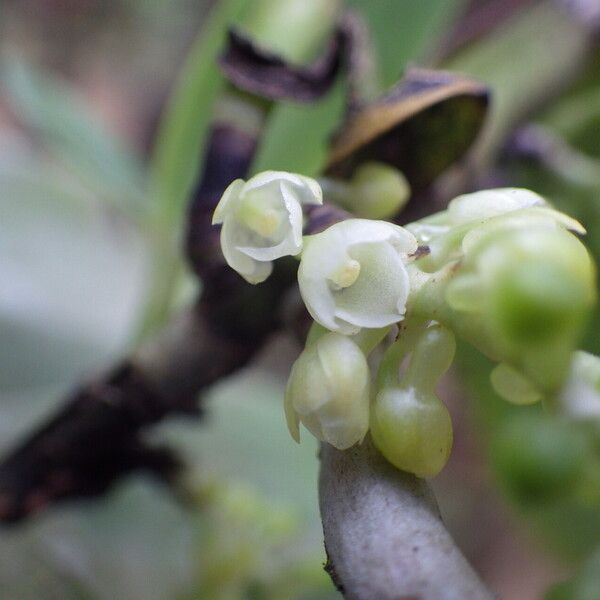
(499, 269)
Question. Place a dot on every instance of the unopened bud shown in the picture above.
(328, 391)
(410, 425)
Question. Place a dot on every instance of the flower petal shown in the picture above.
(228, 200)
(250, 269)
(287, 247)
(378, 297)
(491, 203)
(262, 220)
(306, 190)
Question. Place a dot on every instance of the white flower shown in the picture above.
(470, 217)
(262, 220)
(480, 206)
(580, 397)
(353, 275)
(477, 206)
(328, 391)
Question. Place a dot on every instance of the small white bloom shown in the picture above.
(353, 275)
(580, 397)
(262, 220)
(527, 219)
(480, 206)
(470, 217)
(477, 206)
(328, 391)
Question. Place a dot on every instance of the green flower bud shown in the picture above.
(376, 191)
(528, 292)
(412, 430)
(328, 391)
(353, 275)
(410, 426)
(513, 386)
(262, 220)
(450, 234)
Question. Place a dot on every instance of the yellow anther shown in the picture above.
(346, 274)
(264, 221)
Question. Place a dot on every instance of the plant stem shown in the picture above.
(383, 533)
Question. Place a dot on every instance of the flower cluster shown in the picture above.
(499, 268)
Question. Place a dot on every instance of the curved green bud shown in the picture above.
(410, 426)
(431, 358)
(328, 391)
(413, 431)
(376, 191)
(526, 294)
(511, 385)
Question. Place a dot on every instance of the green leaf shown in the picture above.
(577, 119)
(50, 109)
(575, 115)
(404, 30)
(244, 441)
(184, 126)
(135, 544)
(297, 137)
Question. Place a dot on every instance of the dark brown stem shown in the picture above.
(96, 437)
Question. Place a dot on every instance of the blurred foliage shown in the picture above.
(185, 122)
(584, 586)
(521, 81)
(402, 31)
(55, 115)
(248, 551)
(549, 468)
(576, 116)
(259, 533)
